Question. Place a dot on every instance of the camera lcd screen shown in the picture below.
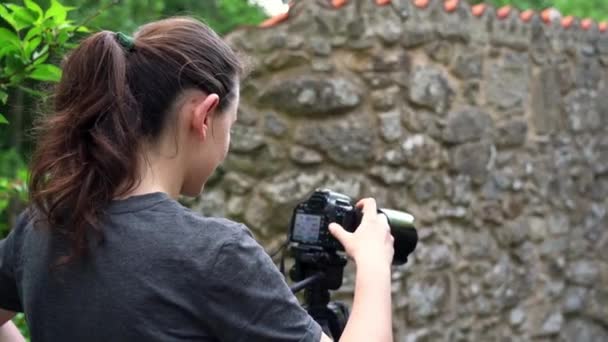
(306, 228)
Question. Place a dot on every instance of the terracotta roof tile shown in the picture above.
(338, 3)
(421, 3)
(503, 12)
(527, 15)
(275, 20)
(586, 24)
(477, 10)
(567, 21)
(546, 15)
(451, 5)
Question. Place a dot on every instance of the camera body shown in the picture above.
(311, 218)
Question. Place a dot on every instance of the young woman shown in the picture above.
(104, 252)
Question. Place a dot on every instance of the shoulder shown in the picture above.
(213, 238)
(226, 238)
(220, 228)
(23, 221)
(11, 245)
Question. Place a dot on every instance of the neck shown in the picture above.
(158, 174)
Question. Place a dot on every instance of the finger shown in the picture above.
(368, 207)
(384, 221)
(339, 233)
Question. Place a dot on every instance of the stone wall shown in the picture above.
(490, 126)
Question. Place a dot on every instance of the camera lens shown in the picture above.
(404, 233)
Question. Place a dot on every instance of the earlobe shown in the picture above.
(205, 126)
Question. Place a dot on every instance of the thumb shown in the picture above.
(339, 233)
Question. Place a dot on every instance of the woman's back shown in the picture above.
(162, 273)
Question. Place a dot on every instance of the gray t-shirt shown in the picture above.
(164, 273)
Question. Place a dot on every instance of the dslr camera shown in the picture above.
(311, 219)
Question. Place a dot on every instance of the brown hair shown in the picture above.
(110, 98)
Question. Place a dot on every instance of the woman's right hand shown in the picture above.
(371, 246)
(372, 242)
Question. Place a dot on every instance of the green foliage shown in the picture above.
(13, 183)
(234, 13)
(19, 320)
(10, 188)
(522, 4)
(127, 15)
(31, 36)
(595, 9)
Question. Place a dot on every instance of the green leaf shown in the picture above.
(13, 64)
(44, 50)
(31, 46)
(3, 204)
(33, 92)
(9, 37)
(46, 72)
(65, 26)
(34, 7)
(14, 7)
(8, 17)
(8, 50)
(23, 174)
(22, 16)
(16, 79)
(3, 120)
(41, 55)
(57, 11)
(3, 96)
(63, 37)
(33, 32)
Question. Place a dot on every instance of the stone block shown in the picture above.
(349, 142)
(306, 96)
(429, 88)
(469, 124)
(507, 82)
(472, 159)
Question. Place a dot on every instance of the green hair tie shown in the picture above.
(126, 41)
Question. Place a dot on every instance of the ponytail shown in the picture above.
(85, 151)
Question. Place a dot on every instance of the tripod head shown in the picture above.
(313, 260)
(317, 271)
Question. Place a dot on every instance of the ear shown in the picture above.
(202, 113)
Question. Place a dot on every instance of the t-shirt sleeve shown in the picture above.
(249, 300)
(9, 296)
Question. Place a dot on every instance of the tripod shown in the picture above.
(317, 271)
